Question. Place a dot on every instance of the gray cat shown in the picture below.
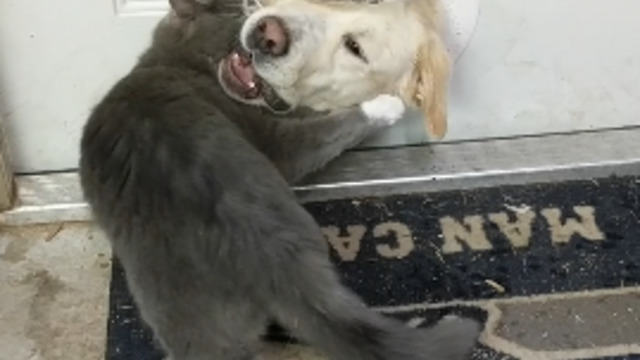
(192, 188)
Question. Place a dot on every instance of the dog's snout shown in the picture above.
(270, 36)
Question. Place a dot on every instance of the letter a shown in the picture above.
(348, 246)
(518, 232)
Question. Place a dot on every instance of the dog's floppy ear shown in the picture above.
(189, 8)
(428, 87)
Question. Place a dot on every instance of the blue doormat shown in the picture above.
(523, 259)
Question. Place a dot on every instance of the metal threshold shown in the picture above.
(362, 173)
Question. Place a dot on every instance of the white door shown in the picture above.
(540, 67)
(57, 59)
(532, 67)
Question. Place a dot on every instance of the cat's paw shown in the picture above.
(384, 110)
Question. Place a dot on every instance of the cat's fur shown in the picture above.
(191, 188)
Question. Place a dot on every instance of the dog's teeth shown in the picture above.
(251, 84)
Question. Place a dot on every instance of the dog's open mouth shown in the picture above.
(238, 76)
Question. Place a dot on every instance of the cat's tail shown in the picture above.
(331, 318)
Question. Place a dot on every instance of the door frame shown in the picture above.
(7, 183)
(57, 197)
(577, 155)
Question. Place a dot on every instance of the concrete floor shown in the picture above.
(54, 296)
(54, 282)
(53, 292)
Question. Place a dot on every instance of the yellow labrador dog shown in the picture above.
(331, 54)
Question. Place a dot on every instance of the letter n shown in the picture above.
(471, 233)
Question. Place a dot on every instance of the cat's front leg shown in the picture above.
(301, 146)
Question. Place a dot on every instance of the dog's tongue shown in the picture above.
(242, 69)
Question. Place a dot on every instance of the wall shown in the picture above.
(532, 67)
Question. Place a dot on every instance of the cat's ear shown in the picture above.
(189, 8)
(250, 6)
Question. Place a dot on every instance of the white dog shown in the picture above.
(329, 54)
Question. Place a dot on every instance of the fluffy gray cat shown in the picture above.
(192, 189)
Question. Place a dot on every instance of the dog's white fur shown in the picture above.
(383, 110)
(400, 39)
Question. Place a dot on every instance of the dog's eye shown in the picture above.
(354, 47)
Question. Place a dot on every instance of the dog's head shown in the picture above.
(323, 55)
(335, 54)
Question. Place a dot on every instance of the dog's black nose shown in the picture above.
(270, 36)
